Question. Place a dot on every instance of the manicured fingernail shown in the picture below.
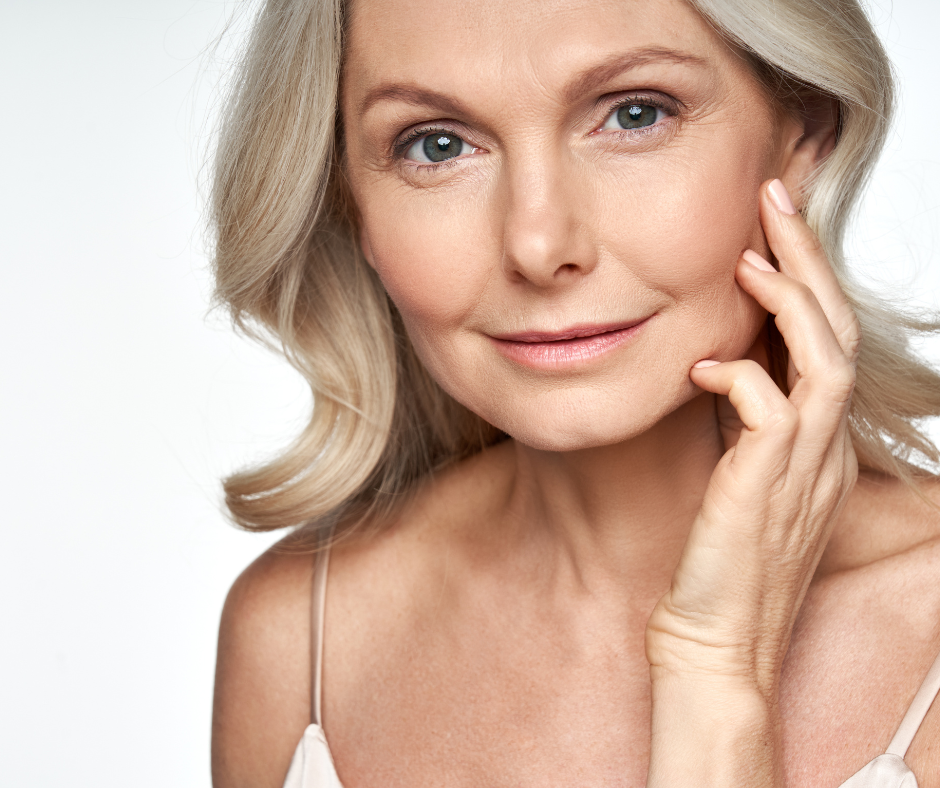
(781, 197)
(705, 362)
(757, 261)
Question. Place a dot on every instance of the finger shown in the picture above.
(729, 423)
(770, 420)
(802, 257)
(812, 344)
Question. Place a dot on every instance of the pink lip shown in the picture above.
(575, 345)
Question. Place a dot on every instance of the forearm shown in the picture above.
(710, 732)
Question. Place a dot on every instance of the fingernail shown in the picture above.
(781, 197)
(705, 362)
(757, 261)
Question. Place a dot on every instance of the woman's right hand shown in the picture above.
(717, 639)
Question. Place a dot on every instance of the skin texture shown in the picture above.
(558, 224)
(607, 599)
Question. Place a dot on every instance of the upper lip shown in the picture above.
(574, 332)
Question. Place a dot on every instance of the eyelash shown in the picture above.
(647, 101)
(398, 151)
(402, 145)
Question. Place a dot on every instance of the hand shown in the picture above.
(724, 626)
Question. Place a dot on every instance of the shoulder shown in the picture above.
(866, 636)
(885, 520)
(380, 580)
(882, 571)
(884, 556)
(262, 690)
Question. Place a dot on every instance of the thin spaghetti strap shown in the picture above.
(317, 611)
(917, 711)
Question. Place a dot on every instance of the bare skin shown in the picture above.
(638, 590)
(430, 680)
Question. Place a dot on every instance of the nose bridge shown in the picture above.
(545, 237)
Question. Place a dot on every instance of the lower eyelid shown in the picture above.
(418, 168)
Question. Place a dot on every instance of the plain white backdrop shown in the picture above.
(122, 401)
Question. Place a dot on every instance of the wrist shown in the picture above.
(735, 667)
(714, 694)
(713, 731)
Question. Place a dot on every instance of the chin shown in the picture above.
(564, 420)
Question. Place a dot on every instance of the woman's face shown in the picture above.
(555, 194)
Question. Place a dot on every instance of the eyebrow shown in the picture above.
(619, 64)
(599, 74)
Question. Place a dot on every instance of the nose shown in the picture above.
(546, 240)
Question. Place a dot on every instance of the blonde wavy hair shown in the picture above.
(289, 269)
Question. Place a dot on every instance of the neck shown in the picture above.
(619, 514)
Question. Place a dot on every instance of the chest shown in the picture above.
(518, 704)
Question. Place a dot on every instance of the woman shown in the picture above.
(591, 515)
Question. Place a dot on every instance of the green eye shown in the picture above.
(437, 147)
(634, 115)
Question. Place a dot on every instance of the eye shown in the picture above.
(437, 147)
(633, 115)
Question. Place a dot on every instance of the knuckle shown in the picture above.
(800, 297)
(841, 382)
(750, 368)
(807, 243)
(850, 334)
(784, 420)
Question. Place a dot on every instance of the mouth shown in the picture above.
(575, 332)
(568, 347)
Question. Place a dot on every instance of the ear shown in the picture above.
(366, 247)
(809, 137)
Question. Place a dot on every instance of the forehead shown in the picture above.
(510, 42)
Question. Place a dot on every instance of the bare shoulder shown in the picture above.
(884, 519)
(897, 539)
(871, 629)
(377, 577)
(262, 685)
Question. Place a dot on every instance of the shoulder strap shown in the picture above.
(317, 611)
(917, 711)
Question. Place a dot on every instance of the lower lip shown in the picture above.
(566, 353)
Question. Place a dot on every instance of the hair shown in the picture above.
(289, 268)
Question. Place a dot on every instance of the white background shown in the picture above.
(122, 401)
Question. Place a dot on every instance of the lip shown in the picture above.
(568, 347)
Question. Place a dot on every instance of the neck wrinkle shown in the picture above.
(618, 516)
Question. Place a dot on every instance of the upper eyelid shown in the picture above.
(668, 105)
(407, 138)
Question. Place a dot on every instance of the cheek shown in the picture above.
(682, 234)
(428, 254)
